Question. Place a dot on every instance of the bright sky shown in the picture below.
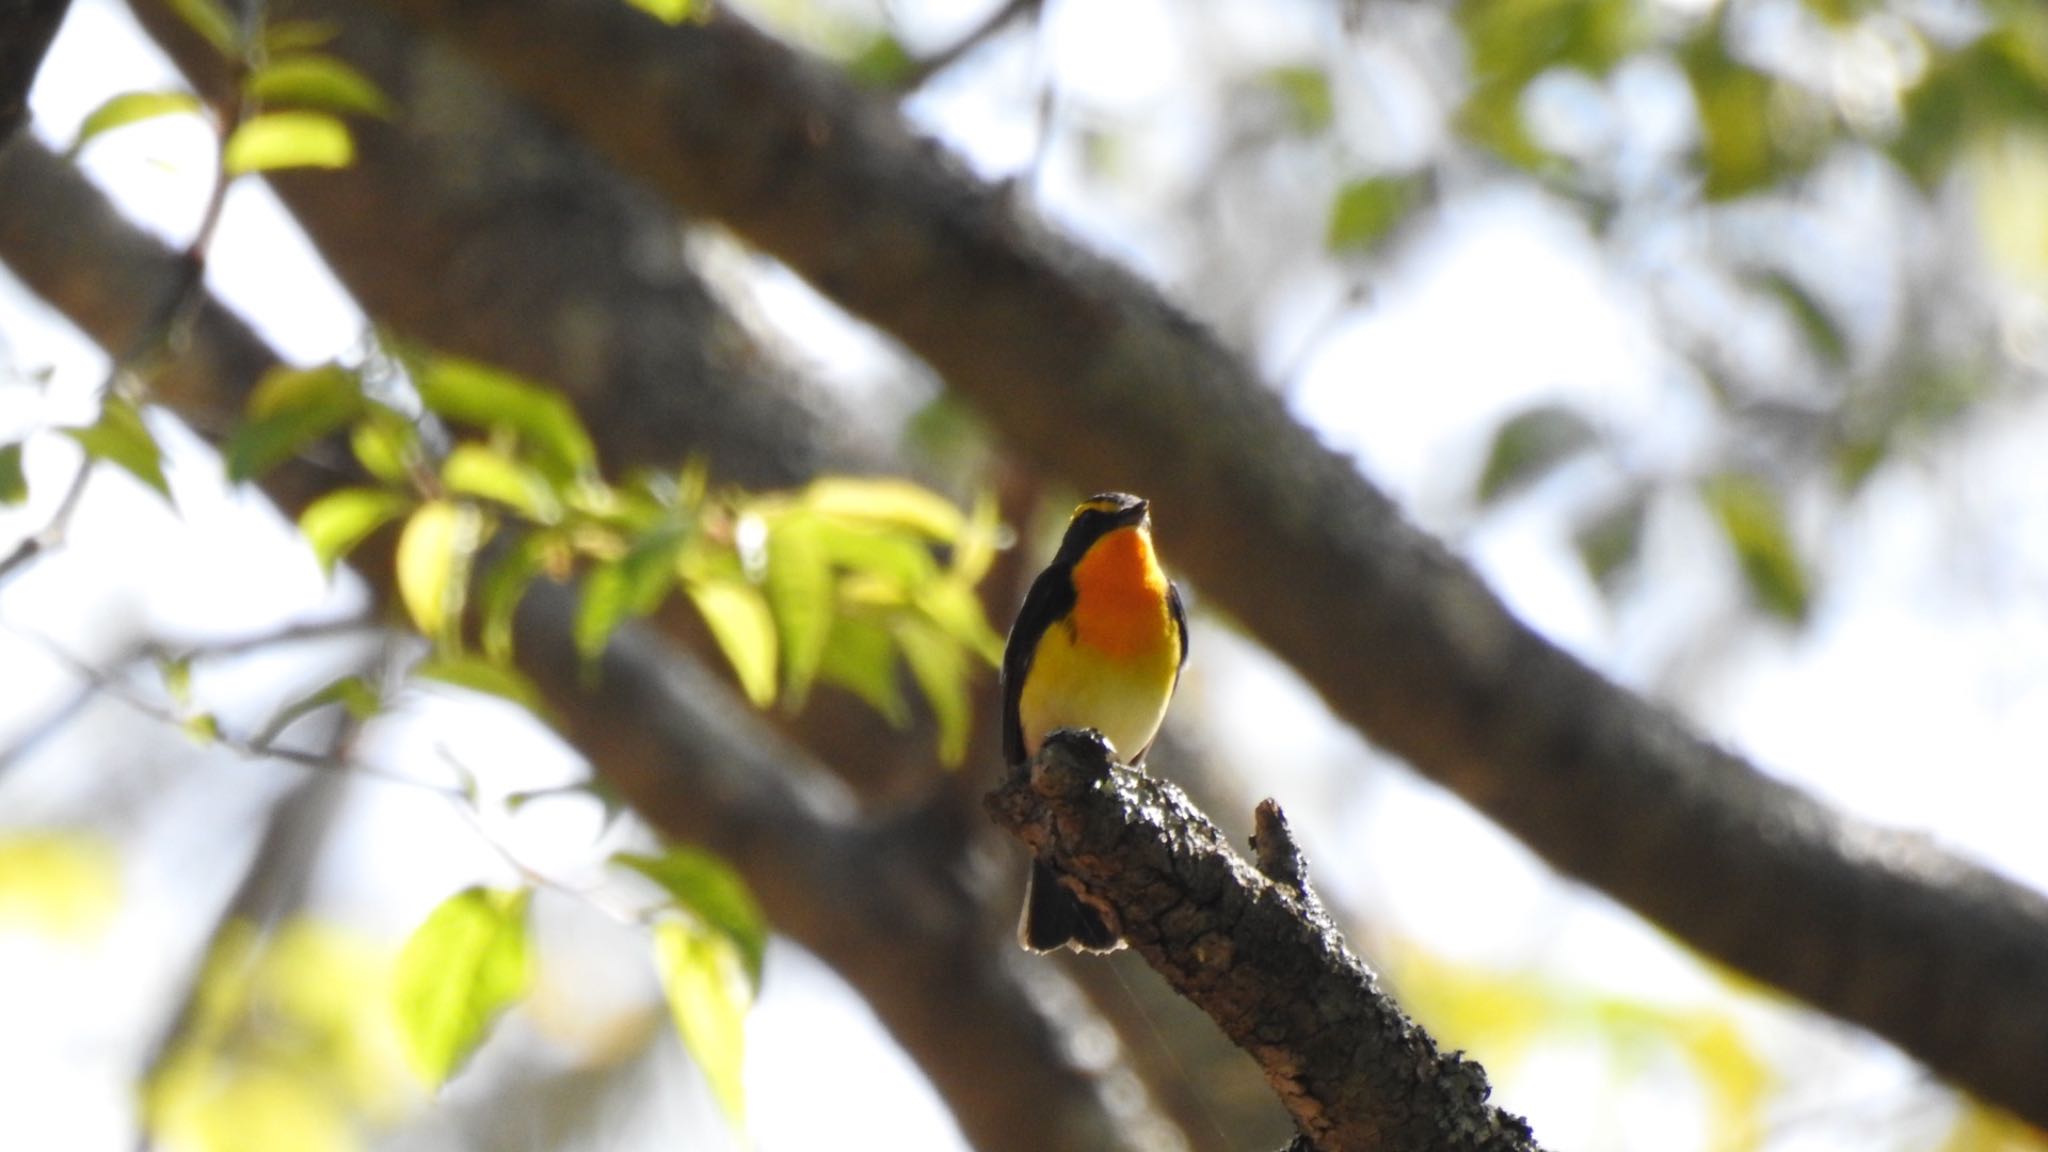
(1919, 696)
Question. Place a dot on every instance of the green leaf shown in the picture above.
(953, 606)
(860, 656)
(708, 889)
(1365, 211)
(1820, 328)
(121, 438)
(1609, 543)
(386, 444)
(203, 728)
(285, 36)
(800, 589)
(463, 966)
(675, 11)
(885, 501)
(467, 392)
(176, 673)
(1530, 444)
(334, 524)
(481, 471)
(486, 676)
(433, 560)
(1306, 89)
(1753, 519)
(745, 630)
(132, 108)
(707, 999)
(290, 409)
(939, 665)
(882, 63)
(974, 552)
(600, 609)
(13, 482)
(276, 140)
(316, 81)
(504, 585)
(210, 19)
(355, 695)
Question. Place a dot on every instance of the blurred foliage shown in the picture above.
(64, 883)
(288, 1046)
(464, 965)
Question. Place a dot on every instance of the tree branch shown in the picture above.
(1090, 373)
(26, 29)
(1256, 952)
(886, 903)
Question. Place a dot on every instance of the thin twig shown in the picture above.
(920, 73)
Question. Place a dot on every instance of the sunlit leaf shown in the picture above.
(954, 607)
(503, 586)
(13, 483)
(386, 444)
(176, 673)
(65, 883)
(290, 409)
(433, 559)
(939, 665)
(467, 392)
(284, 36)
(882, 63)
(316, 81)
(276, 140)
(120, 438)
(881, 552)
(478, 470)
(860, 656)
(710, 890)
(203, 728)
(463, 966)
(486, 676)
(675, 11)
(980, 539)
(335, 523)
(885, 501)
(132, 108)
(1529, 445)
(1752, 517)
(707, 997)
(601, 606)
(1364, 211)
(800, 589)
(211, 20)
(745, 630)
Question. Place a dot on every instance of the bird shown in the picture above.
(1099, 643)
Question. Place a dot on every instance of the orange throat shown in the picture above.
(1120, 596)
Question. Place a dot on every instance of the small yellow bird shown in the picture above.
(1099, 643)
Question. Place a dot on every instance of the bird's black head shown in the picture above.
(1098, 516)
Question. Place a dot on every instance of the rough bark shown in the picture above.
(1255, 951)
(26, 29)
(883, 902)
(1089, 372)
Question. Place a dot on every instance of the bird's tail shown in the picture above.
(1056, 918)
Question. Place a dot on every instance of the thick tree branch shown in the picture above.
(883, 902)
(1088, 371)
(1256, 952)
(26, 29)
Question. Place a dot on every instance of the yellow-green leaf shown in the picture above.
(467, 392)
(60, 882)
(132, 108)
(1364, 211)
(386, 444)
(210, 19)
(504, 586)
(334, 524)
(707, 888)
(316, 81)
(1753, 520)
(290, 409)
(485, 676)
(939, 665)
(121, 438)
(740, 621)
(276, 140)
(285, 36)
(463, 966)
(478, 470)
(13, 482)
(433, 559)
(707, 998)
(953, 606)
(675, 11)
(860, 657)
(981, 537)
(799, 584)
(353, 693)
(1306, 89)
(885, 501)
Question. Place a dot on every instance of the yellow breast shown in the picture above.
(1111, 665)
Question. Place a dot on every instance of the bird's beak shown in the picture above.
(1139, 513)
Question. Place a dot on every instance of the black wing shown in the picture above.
(1180, 625)
(1050, 600)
